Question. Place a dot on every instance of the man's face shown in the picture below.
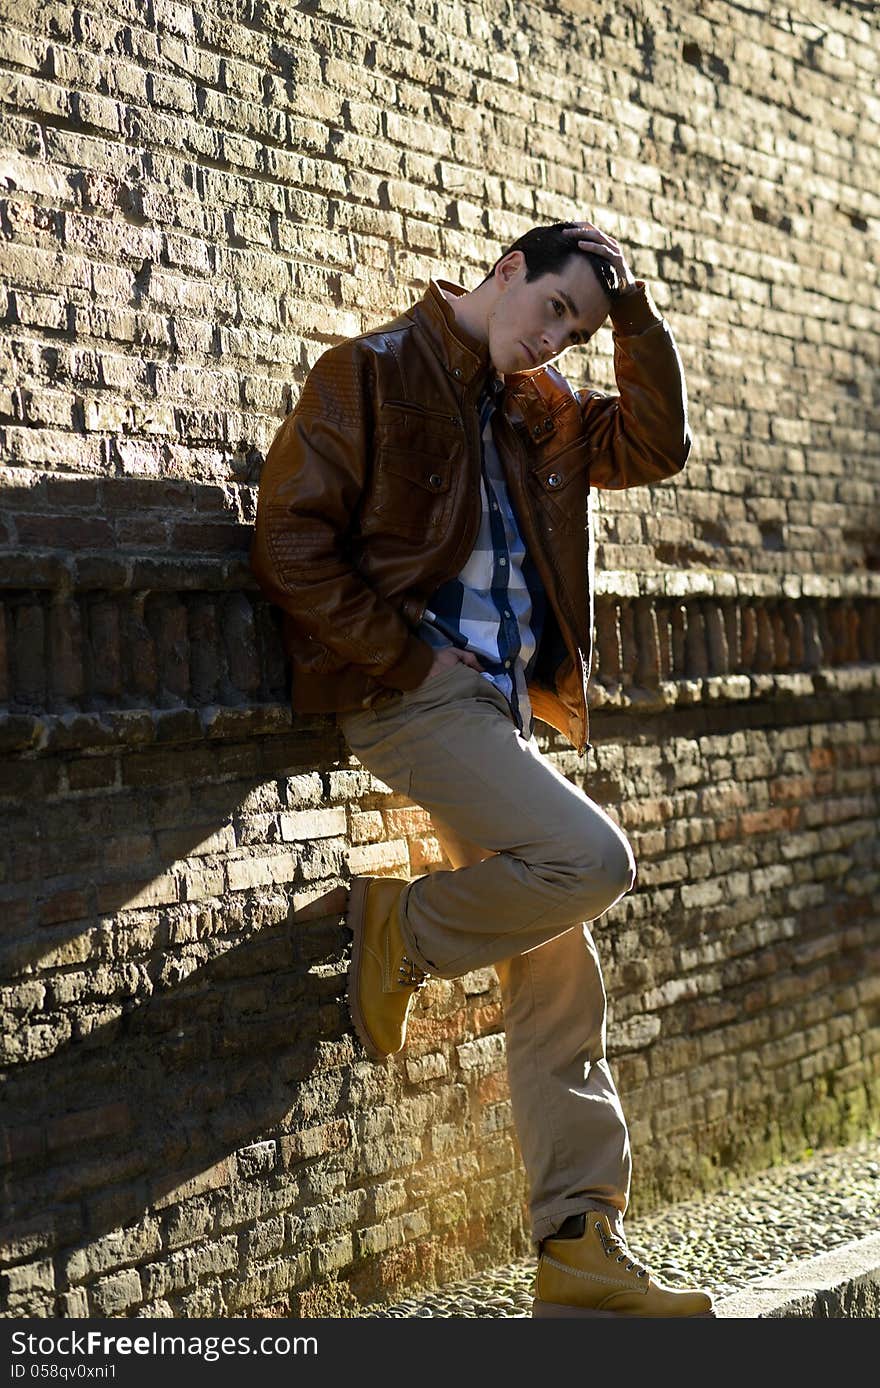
(532, 322)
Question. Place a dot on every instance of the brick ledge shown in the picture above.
(106, 730)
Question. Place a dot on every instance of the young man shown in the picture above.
(424, 526)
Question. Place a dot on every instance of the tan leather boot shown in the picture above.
(382, 980)
(596, 1275)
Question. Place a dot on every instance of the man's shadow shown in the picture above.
(214, 1078)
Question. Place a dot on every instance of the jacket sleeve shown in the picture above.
(310, 488)
(641, 435)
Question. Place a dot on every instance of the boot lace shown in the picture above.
(409, 975)
(615, 1247)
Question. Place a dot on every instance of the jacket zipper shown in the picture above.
(563, 617)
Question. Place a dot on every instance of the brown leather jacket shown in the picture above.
(370, 496)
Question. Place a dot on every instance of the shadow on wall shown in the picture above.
(143, 1111)
(129, 593)
(183, 1086)
(164, 1005)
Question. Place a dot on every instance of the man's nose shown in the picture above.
(551, 343)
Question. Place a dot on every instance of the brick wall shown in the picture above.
(194, 201)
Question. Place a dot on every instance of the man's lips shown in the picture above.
(531, 355)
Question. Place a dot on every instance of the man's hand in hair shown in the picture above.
(590, 238)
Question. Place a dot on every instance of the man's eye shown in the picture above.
(557, 304)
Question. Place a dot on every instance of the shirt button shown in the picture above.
(502, 561)
(507, 614)
(507, 664)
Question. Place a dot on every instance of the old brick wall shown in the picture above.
(194, 201)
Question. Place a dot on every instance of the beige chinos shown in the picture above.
(533, 858)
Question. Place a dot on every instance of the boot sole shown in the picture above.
(354, 919)
(550, 1310)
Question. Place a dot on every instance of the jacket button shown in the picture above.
(435, 479)
(537, 431)
(457, 372)
(554, 479)
(548, 423)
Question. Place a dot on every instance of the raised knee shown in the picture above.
(591, 872)
(609, 872)
(620, 864)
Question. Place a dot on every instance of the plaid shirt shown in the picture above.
(496, 605)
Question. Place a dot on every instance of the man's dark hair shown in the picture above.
(547, 251)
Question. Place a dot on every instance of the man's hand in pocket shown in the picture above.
(447, 656)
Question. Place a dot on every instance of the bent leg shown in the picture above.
(557, 859)
(569, 1120)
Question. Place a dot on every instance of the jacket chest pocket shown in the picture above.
(560, 483)
(418, 453)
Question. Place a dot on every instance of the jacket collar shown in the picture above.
(463, 355)
(466, 359)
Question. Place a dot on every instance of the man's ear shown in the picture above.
(507, 267)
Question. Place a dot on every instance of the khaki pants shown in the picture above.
(533, 859)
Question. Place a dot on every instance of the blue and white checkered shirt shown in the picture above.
(496, 605)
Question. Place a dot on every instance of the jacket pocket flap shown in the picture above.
(432, 473)
(416, 430)
(555, 473)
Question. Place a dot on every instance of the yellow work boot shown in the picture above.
(594, 1274)
(383, 979)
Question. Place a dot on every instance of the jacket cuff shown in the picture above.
(634, 311)
(411, 668)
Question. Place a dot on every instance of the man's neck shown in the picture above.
(469, 313)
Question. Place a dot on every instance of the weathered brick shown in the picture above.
(487, 1052)
(313, 1142)
(312, 824)
(111, 1296)
(243, 873)
(113, 896)
(114, 1249)
(174, 1188)
(74, 1128)
(378, 857)
(28, 1278)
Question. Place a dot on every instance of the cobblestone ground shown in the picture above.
(721, 1242)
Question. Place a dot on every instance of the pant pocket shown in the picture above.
(376, 747)
(490, 691)
(429, 687)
